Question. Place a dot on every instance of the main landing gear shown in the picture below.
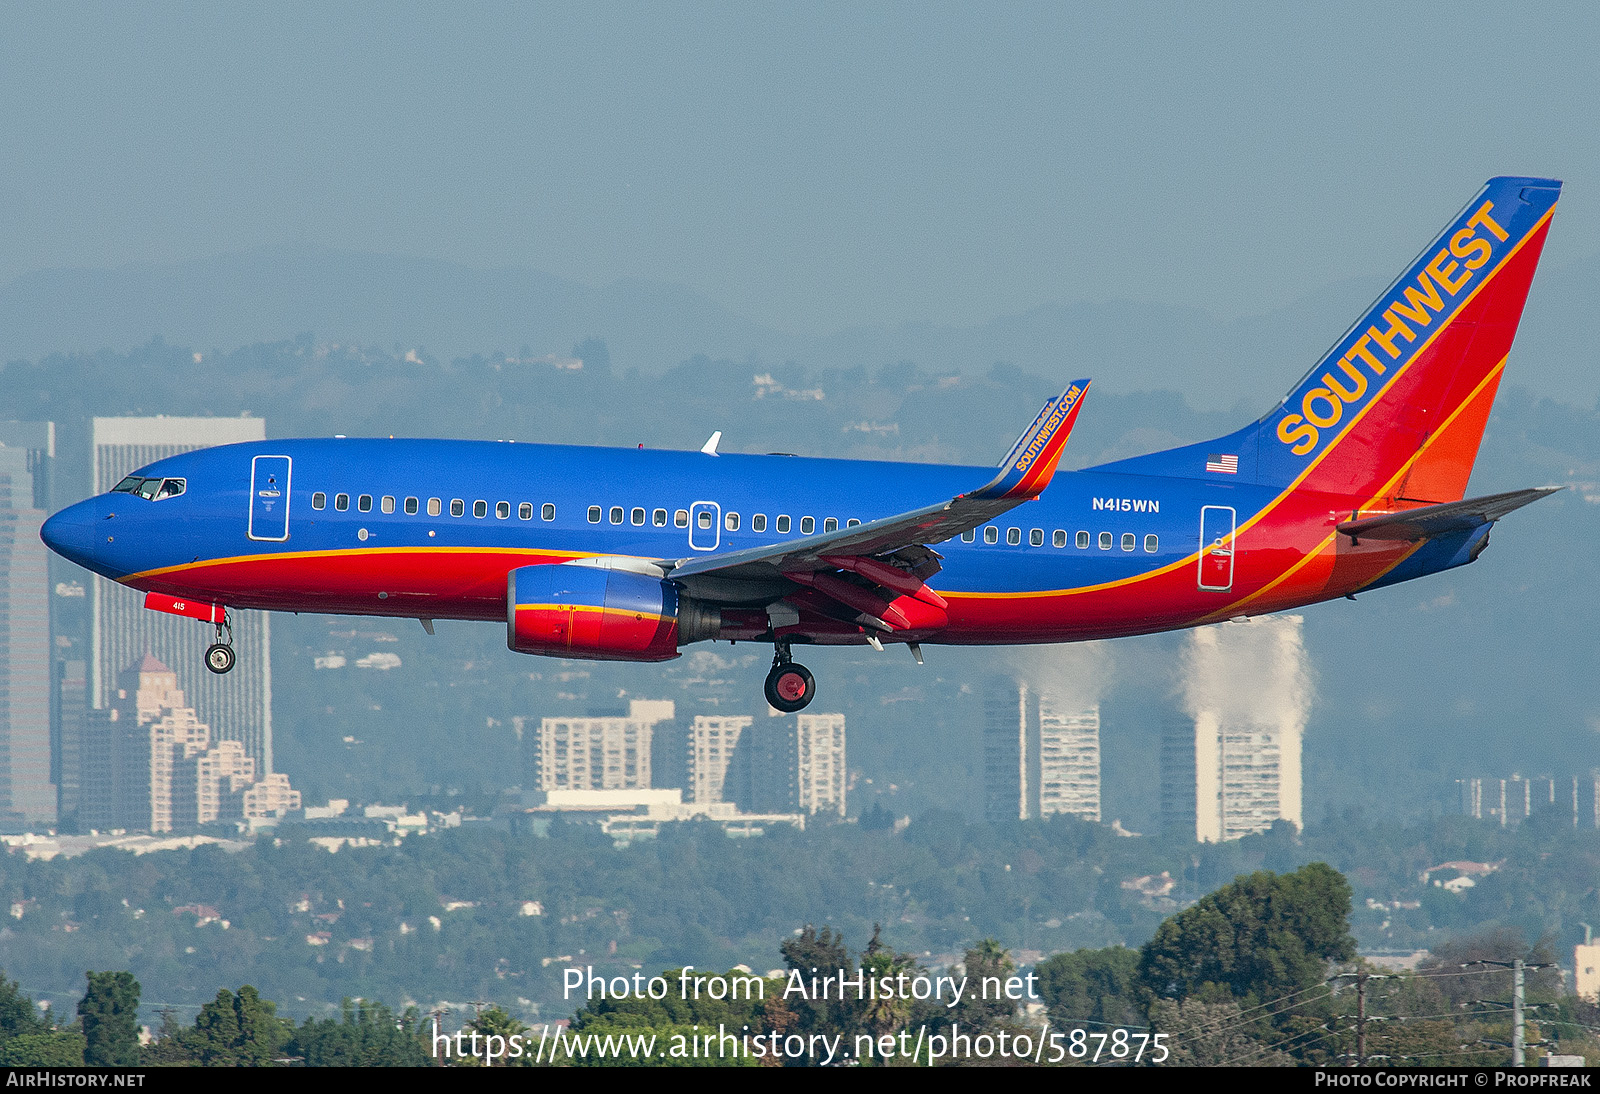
(219, 655)
(790, 685)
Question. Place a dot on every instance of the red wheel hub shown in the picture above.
(792, 686)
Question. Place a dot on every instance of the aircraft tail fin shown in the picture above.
(1396, 409)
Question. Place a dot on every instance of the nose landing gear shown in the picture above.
(219, 655)
(790, 686)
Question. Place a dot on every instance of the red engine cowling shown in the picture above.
(572, 610)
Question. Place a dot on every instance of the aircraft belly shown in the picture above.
(436, 583)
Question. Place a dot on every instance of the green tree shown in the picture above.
(169, 1046)
(1264, 936)
(1210, 1035)
(367, 1034)
(814, 953)
(51, 1048)
(237, 1031)
(494, 1022)
(985, 1005)
(109, 1011)
(1100, 986)
(883, 1013)
(685, 1012)
(18, 1016)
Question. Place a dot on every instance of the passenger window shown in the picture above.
(616, 514)
(851, 523)
(594, 514)
(412, 505)
(1058, 539)
(1013, 536)
(681, 518)
(458, 508)
(991, 534)
(341, 502)
(319, 500)
(1083, 541)
(783, 525)
(659, 518)
(968, 536)
(1151, 544)
(758, 522)
(1036, 538)
(525, 511)
(364, 503)
(171, 488)
(831, 524)
(1105, 541)
(502, 510)
(480, 508)
(547, 512)
(434, 506)
(731, 521)
(807, 526)
(637, 516)
(387, 504)
(704, 518)
(1128, 540)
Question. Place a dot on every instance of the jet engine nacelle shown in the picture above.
(601, 614)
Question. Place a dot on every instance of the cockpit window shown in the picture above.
(150, 489)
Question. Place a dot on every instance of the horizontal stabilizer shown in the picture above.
(1414, 525)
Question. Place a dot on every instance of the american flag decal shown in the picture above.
(1228, 465)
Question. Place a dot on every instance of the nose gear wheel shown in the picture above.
(219, 656)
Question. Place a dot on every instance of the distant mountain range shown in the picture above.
(446, 310)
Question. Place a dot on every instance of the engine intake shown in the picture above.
(601, 614)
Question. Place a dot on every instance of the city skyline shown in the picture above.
(122, 628)
(28, 761)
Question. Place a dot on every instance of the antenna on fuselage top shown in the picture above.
(710, 447)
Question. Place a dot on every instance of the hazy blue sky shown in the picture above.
(812, 166)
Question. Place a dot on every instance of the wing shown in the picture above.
(868, 569)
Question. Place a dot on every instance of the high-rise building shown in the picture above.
(796, 764)
(1574, 799)
(1177, 777)
(1246, 689)
(821, 779)
(71, 710)
(719, 768)
(1041, 754)
(1069, 759)
(27, 762)
(596, 753)
(150, 763)
(239, 703)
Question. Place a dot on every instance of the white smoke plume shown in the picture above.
(1078, 673)
(1249, 673)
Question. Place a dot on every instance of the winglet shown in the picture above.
(710, 447)
(1028, 467)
